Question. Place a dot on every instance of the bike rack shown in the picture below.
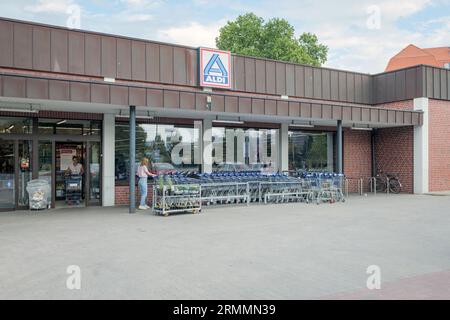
(360, 185)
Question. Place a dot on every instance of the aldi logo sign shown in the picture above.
(215, 68)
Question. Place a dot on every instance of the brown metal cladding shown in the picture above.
(443, 81)
(326, 90)
(155, 98)
(317, 83)
(7, 44)
(294, 109)
(334, 85)
(108, 57)
(231, 104)
(282, 108)
(200, 102)
(218, 103)
(342, 83)
(257, 106)
(316, 111)
(138, 66)
(179, 61)
(76, 53)
(59, 50)
(41, 48)
(59, 90)
(119, 95)
(356, 114)
(270, 77)
(299, 81)
(100, 93)
(239, 73)
(37, 88)
(305, 110)
(14, 87)
(92, 54)
(123, 59)
(152, 62)
(80, 92)
(166, 63)
(270, 107)
(327, 112)
(171, 99)
(244, 105)
(27, 45)
(309, 83)
(187, 100)
(365, 114)
(350, 87)
(280, 73)
(23, 49)
(250, 75)
(191, 67)
(347, 113)
(337, 112)
(137, 96)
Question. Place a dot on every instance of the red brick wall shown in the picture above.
(439, 145)
(357, 154)
(122, 194)
(394, 151)
(394, 154)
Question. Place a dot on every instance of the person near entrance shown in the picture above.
(75, 167)
(143, 173)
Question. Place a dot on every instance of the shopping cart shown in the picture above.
(73, 189)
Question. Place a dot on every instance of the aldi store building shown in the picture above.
(66, 93)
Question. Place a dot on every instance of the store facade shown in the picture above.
(66, 93)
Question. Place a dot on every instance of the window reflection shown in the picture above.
(240, 149)
(168, 147)
(311, 151)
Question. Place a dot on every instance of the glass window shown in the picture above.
(69, 127)
(311, 151)
(169, 148)
(238, 149)
(16, 125)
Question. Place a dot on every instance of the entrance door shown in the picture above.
(70, 174)
(7, 175)
(23, 171)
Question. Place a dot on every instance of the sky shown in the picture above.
(361, 35)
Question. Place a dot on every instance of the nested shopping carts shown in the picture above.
(244, 188)
(324, 186)
(171, 196)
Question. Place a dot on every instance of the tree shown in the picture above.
(275, 39)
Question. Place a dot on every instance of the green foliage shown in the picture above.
(275, 39)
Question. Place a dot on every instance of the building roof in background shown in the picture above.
(413, 55)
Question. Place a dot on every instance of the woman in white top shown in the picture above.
(75, 167)
(143, 174)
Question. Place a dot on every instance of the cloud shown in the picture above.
(50, 6)
(193, 34)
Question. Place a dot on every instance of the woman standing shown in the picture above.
(143, 174)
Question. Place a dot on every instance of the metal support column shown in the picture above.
(339, 146)
(132, 159)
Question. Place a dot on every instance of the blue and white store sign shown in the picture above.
(215, 68)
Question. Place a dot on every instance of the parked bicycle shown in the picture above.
(383, 179)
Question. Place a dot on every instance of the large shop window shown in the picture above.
(240, 149)
(169, 148)
(69, 127)
(16, 125)
(311, 151)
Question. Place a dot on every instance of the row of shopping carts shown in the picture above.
(252, 186)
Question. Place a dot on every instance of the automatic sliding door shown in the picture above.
(24, 172)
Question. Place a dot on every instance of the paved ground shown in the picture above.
(289, 251)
